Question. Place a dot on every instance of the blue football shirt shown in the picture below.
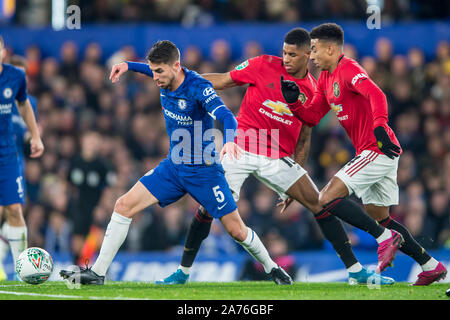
(12, 87)
(189, 113)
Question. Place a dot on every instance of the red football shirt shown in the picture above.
(358, 102)
(266, 125)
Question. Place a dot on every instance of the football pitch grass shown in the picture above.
(258, 290)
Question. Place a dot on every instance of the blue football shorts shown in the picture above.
(12, 189)
(206, 184)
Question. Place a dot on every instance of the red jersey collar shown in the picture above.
(339, 61)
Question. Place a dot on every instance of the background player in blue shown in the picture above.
(13, 88)
(189, 104)
(22, 139)
(20, 127)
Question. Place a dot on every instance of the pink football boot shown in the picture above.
(426, 278)
(387, 249)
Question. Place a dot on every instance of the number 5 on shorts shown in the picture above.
(218, 194)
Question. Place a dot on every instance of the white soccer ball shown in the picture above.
(34, 265)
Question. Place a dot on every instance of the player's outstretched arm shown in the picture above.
(311, 113)
(224, 115)
(117, 70)
(220, 81)
(120, 68)
(215, 107)
(27, 113)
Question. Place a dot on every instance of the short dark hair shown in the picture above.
(298, 36)
(328, 32)
(163, 51)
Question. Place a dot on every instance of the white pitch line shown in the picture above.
(62, 296)
(13, 285)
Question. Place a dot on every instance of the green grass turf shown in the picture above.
(220, 291)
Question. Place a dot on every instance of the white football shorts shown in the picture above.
(372, 177)
(278, 174)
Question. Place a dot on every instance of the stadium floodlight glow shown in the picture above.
(58, 14)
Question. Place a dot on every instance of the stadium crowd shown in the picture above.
(208, 12)
(100, 138)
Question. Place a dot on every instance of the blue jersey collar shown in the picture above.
(187, 73)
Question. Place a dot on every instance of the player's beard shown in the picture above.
(322, 65)
(165, 84)
(170, 83)
(292, 72)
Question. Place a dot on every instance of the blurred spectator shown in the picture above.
(166, 230)
(57, 234)
(192, 58)
(221, 55)
(383, 53)
(93, 54)
(439, 215)
(88, 176)
(252, 49)
(262, 218)
(416, 62)
(69, 61)
(298, 225)
(350, 51)
(200, 13)
(36, 226)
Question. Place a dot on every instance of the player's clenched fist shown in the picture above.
(385, 143)
(290, 90)
(37, 147)
(117, 71)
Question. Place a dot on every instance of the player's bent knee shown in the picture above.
(13, 211)
(13, 215)
(124, 207)
(234, 226)
(238, 234)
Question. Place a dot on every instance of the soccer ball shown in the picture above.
(34, 265)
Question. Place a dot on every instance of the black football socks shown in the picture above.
(198, 231)
(410, 246)
(334, 231)
(350, 212)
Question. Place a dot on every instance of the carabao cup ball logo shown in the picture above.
(7, 93)
(36, 258)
